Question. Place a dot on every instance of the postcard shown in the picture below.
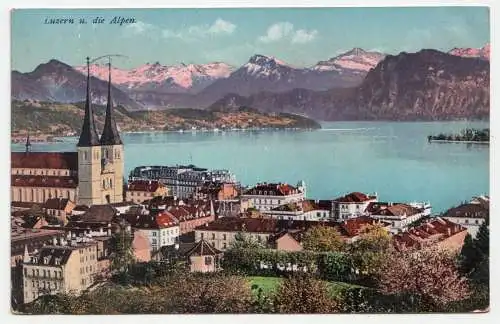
(250, 160)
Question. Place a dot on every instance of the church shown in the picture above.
(93, 175)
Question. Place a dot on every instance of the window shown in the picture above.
(466, 221)
(224, 237)
(201, 235)
(477, 221)
(33, 283)
(224, 245)
(25, 271)
(37, 273)
(154, 233)
(208, 260)
(33, 272)
(44, 273)
(213, 236)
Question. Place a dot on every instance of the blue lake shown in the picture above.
(393, 159)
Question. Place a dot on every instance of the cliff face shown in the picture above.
(425, 85)
(428, 85)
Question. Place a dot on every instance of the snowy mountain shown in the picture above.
(356, 60)
(482, 53)
(181, 78)
(56, 81)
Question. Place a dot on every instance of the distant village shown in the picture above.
(67, 206)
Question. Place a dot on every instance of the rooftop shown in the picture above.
(355, 197)
(44, 160)
(43, 181)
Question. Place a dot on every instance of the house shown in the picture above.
(193, 214)
(352, 205)
(161, 228)
(310, 210)
(400, 215)
(63, 267)
(216, 191)
(266, 196)
(172, 253)
(350, 229)
(59, 207)
(203, 257)
(470, 215)
(287, 240)
(140, 190)
(439, 233)
(221, 233)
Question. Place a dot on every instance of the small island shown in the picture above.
(468, 135)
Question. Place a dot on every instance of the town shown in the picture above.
(76, 223)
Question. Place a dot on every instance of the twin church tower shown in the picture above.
(100, 160)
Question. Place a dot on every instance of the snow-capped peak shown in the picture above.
(355, 59)
(182, 75)
(483, 52)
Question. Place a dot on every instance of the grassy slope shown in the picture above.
(270, 284)
(58, 119)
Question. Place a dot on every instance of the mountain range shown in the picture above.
(357, 84)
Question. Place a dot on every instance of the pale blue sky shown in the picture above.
(301, 36)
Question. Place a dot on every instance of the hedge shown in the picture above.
(331, 266)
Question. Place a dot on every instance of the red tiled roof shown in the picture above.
(258, 225)
(44, 160)
(272, 189)
(468, 210)
(354, 197)
(427, 233)
(163, 219)
(43, 181)
(388, 209)
(143, 185)
(56, 203)
(353, 226)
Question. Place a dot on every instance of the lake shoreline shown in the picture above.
(454, 141)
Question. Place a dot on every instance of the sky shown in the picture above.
(298, 36)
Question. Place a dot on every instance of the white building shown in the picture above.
(397, 214)
(310, 210)
(352, 205)
(162, 229)
(266, 196)
(470, 215)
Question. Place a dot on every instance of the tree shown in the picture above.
(474, 256)
(216, 293)
(370, 250)
(430, 276)
(301, 293)
(243, 241)
(323, 239)
(122, 255)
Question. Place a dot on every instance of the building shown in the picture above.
(217, 191)
(161, 228)
(59, 207)
(439, 233)
(266, 196)
(221, 233)
(352, 205)
(182, 181)
(32, 240)
(203, 257)
(192, 215)
(92, 175)
(141, 190)
(399, 215)
(470, 215)
(63, 267)
(309, 210)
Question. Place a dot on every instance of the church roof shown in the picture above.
(44, 160)
(88, 136)
(110, 135)
(43, 181)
